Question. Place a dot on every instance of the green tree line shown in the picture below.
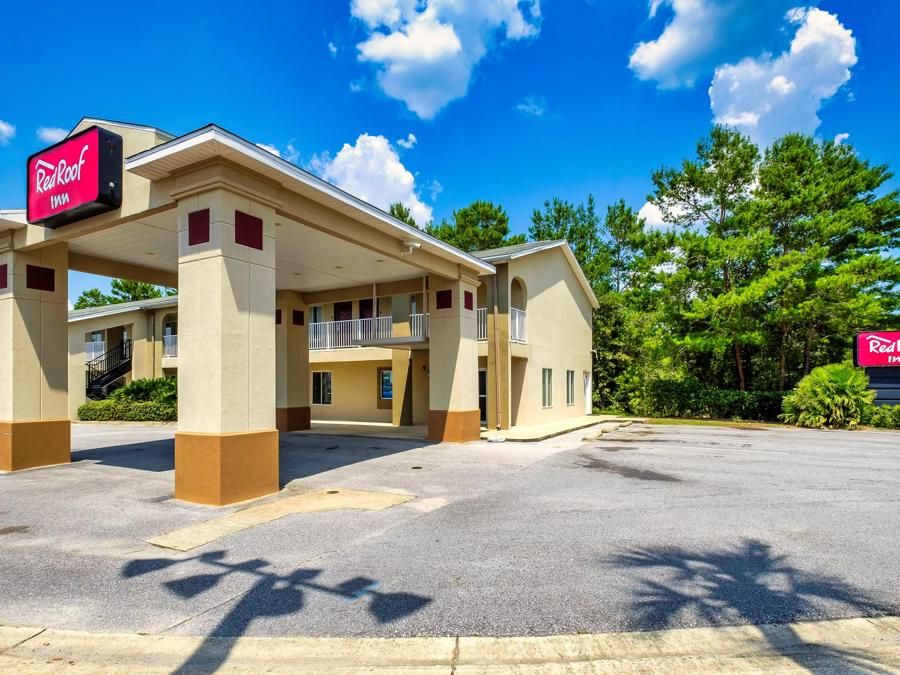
(769, 264)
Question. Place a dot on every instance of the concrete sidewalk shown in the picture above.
(541, 432)
(844, 645)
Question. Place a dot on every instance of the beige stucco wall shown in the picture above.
(354, 392)
(558, 330)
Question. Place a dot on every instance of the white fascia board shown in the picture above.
(216, 134)
(12, 219)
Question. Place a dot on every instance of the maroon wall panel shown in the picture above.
(248, 230)
(198, 227)
(469, 300)
(298, 317)
(444, 299)
(4, 276)
(40, 278)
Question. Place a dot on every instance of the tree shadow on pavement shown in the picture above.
(271, 595)
(748, 584)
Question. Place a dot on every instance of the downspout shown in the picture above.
(496, 331)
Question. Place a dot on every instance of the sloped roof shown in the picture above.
(122, 307)
(507, 253)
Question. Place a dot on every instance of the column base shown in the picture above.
(292, 419)
(220, 469)
(454, 426)
(25, 445)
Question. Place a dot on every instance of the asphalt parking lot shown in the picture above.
(649, 527)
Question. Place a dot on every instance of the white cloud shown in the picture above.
(269, 148)
(51, 134)
(840, 138)
(371, 169)
(332, 48)
(409, 142)
(7, 132)
(426, 50)
(653, 217)
(533, 106)
(435, 189)
(702, 34)
(768, 97)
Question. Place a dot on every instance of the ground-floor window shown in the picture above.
(570, 387)
(547, 387)
(321, 388)
(385, 383)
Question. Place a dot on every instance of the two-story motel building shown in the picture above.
(296, 302)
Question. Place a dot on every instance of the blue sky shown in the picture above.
(511, 103)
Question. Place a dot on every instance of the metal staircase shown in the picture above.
(106, 369)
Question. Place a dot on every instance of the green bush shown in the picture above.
(112, 409)
(147, 400)
(158, 390)
(883, 416)
(690, 398)
(832, 396)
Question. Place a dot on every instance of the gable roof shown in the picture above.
(122, 308)
(507, 253)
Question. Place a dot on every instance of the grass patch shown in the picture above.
(734, 424)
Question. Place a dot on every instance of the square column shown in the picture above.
(453, 413)
(499, 358)
(226, 447)
(292, 362)
(34, 422)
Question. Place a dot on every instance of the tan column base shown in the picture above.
(222, 469)
(292, 419)
(454, 426)
(25, 445)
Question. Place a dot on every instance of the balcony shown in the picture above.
(170, 346)
(349, 333)
(418, 325)
(93, 349)
(516, 325)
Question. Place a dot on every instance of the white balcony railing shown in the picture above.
(516, 325)
(418, 325)
(481, 320)
(170, 345)
(348, 333)
(93, 349)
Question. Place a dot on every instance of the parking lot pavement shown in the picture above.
(650, 527)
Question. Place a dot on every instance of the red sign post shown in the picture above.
(877, 349)
(78, 177)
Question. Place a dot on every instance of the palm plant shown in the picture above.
(832, 397)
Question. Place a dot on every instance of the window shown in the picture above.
(547, 387)
(385, 383)
(321, 388)
(570, 387)
(316, 315)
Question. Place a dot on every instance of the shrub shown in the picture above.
(883, 416)
(832, 396)
(157, 389)
(688, 397)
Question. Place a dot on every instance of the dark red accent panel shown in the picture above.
(248, 230)
(198, 227)
(469, 300)
(298, 317)
(4, 276)
(40, 278)
(444, 299)
(278, 316)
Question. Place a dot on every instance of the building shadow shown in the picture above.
(271, 595)
(303, 455)
(146, 456)
(748, 584)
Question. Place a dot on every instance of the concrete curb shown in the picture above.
(609, 427)
(820, 646)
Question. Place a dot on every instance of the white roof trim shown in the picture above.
(12, 219)
(212, 133)
(124, 308)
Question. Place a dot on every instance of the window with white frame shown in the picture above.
(570, 387)
(547, 387)
(321, 387)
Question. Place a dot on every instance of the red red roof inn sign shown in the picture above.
(78, 177)
(878, 349)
